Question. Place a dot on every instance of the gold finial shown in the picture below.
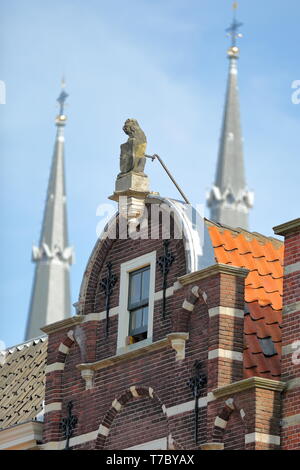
(233, 32)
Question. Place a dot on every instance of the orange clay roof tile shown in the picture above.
(263, 257)
(243, 245)
(217, 239)
(230, 241)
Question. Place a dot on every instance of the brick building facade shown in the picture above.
(221, 325)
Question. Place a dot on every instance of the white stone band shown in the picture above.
(103, 430)
(63, 349)
(54, 367)
(226, 354)
(292, 268)
(220, 423)
(261, 437)
(228, 311)
(55, 406)
(293, 420)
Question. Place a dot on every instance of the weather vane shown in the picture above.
(62, 97)
(233, 30)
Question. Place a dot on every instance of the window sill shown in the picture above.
(125, 353)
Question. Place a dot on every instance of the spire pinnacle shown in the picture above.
(229, 199)
(233, 33)
(50, 299)
(61, 100)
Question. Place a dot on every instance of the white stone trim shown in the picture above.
(116, 405)
(157, 444)
(210, 397)
(74, 441)
(188, 306)
(195, 291)
(112, 312)
(228, 311)
(88, 376)
(185, 407)
(103, 430)
(212, 446)
(292, 420)
(94, 316)
(261, 437)
(292, 268)
(159, 294)
(21, 436)
(89, 436)
(63, 349)
(291, 348)
(134, 392)
(126, 268)
(177, 341)
(293, 383)
(54, 367)
(226, 354)
(230, 403)
(291, 308)
(55, 406)
(177, 285)
(98, 316)
(70, 334)
(220, 423)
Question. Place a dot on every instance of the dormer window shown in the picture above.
(138, 304)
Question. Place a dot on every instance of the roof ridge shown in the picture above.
(256, 235)
(27, 344)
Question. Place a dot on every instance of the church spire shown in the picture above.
(50, 299)
(229, 199)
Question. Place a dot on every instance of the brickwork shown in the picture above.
(290, 432)
(94, 407)
(234, 436)
(144, 395)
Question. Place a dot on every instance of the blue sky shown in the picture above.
(162, 62)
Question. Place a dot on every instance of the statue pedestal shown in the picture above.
(132, 182)
(131, 190)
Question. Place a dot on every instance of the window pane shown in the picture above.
(135, 288)
(145, 316)
(145, 284)
(136, 319)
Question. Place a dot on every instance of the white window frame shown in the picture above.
(148, 259)
(157, 444)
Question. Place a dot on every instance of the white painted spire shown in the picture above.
(229, 199)
(50, 299)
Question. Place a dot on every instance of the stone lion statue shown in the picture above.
(132, 157)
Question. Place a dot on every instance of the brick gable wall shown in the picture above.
(147, 392)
